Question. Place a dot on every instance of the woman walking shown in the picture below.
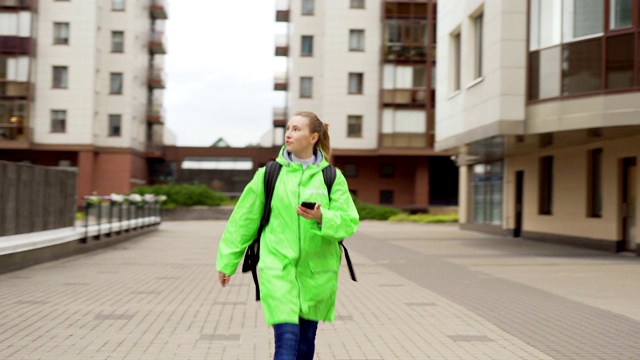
(299, 249)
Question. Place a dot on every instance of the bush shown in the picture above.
(425, 218)
(183, 194)
(375, 212)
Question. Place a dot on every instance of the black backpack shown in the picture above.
(252, 254)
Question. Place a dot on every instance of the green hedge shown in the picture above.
(375, 212)
(425, 218)
(183, 194)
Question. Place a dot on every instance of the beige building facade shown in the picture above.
(543, 111)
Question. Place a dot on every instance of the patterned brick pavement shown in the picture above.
(424, 292)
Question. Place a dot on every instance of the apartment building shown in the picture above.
(366, 67)
(540, 99)
(81, 86)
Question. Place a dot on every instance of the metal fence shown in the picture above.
(115, 218)
(35, 198)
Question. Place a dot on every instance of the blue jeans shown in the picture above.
(295, 341)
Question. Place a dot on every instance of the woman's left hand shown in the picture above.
(315, 214)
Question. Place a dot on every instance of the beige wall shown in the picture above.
(570, 191)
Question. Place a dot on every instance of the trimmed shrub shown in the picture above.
(426, 218)
(375, 212)
(183, 194)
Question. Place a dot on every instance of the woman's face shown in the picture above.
(298, 138)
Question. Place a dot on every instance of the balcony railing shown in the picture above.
(281, 82)
(12, 132)
(156, 78)
(282, 45)
(279, 117)
(22, 4)
(405, 96)
(405, 52)
(156, 43)
(158, 10)
(155, 114)
(14, 90)
(282, 10)
(15, 45)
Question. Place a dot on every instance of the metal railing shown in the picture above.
(105, 217)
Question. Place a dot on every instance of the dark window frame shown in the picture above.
(111, 128)
(386, 197)
(360, 87)
(302, 45)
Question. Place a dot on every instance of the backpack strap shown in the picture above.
(329, 175)
(252, 255)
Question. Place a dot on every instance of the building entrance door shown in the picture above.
(517, 231)
(628, 206)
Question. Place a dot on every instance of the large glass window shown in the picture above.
(582, 18)
(354, 126)
(356, 40)
(117, 41)
(620, 62)
(61, 33)
(58, 121)
(306, 86)
(116, 83)
(60, 78)
(307, 7)
(355, 83)
(582, 67)
(620, 14)
(487, 183)
(307, 45)
(115, 125)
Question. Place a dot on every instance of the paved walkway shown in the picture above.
(423, 292)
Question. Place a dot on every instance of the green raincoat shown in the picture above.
(299, 260)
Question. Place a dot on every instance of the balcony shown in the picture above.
(14, 90)
(156, 78)
(155, 114)
(156, 43)
(282, 11)
(158, 10)
(403, 52)
(282, 45)
(15, 45)
(404, 96)
(281, 82)
(279, 117)
(13, 131)
(16, 4)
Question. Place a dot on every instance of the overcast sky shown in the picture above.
(220, 65)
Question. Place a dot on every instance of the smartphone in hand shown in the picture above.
(308, 205)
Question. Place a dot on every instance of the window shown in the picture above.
(357, 4)
(545, 73)
(307, 7)
(582, 18)
(387, 171)
(486, 189)
(117, 41)
(619, 62)
(594, 185)
(115, 125)
(478, 27)
(60, 33)
(545, 204)
(306, 85)
(307, 45)
(354, 126)
(355, 83)
(455, 52)
(350, 170)
(117, 5)
(545, 23)
(58, 121)
(620, 14)
(386, 197)
(582, 67)
(356, 40)
(116, 83)
(60, 77)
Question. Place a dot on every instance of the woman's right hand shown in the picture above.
(224, 279)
